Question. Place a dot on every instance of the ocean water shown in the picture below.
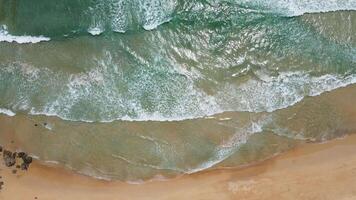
(144, 89)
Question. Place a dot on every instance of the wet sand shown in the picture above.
(310, 171)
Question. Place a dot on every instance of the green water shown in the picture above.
(131, 90)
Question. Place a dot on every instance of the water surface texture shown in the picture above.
(133, 90)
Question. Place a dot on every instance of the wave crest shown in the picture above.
(96, 17)
(94, 96)
(24, 39)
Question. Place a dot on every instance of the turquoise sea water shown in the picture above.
(134, 89)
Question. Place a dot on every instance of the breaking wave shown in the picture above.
(99, 16)
(94, 96)
(6, 37)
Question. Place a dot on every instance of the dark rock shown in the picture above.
(9, 158)
(18, 166)
(0, 148)
(7, 153)
(1, 183)
(9, 162)
(12, 141)
(45, 124)
(14, 171)
(21, 154)
(36, 124)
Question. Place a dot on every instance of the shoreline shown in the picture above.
(310, 171)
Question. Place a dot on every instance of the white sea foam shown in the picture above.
(274, 93)
(96, 88)
(151, 14)
(224, 119)
(300, 7)
(95, 31)
(49, 126)
(6, 37)
(151, 26)
(53, 162)
(253, 96)
(7, 112)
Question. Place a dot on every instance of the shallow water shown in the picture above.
(173, 87)
(134, 151)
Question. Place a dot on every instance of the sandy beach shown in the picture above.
(310, 171)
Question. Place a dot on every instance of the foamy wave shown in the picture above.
(279, 92)
(148, 14)
(95, 31)
(6, 37)
(320, 6)
(300, 7)
(274, 93)
(92, 96)
(152, 26)
(152, 13)
(7, 112)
